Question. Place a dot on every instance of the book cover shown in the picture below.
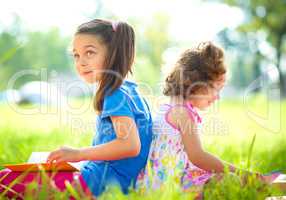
(37, 162)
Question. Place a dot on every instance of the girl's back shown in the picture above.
(167, 157)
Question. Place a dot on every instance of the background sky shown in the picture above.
(190, 19)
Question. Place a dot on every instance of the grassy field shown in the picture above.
(228, 132)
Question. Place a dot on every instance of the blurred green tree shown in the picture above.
(240, 45)
(47, 49)
(152, 40)
(270, 17)
(31, 50)
(11, 57)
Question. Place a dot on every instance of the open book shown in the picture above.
(37, 162)
(280, 181)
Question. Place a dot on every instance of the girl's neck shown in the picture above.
(179, 101)
(130, 77)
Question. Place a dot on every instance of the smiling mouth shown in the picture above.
(86, 73)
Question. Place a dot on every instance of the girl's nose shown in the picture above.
(82, 62)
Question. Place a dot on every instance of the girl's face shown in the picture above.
(89, 56)
(205, 98)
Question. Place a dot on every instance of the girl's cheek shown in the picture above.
(213, 98)
(76, 68)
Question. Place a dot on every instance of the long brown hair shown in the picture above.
(119, 38)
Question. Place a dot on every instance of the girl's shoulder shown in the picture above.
(125, 99)
(125, 90)
(180, 114)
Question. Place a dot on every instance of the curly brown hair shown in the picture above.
(196, 69)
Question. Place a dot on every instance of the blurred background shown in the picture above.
(44, 104)
(36, 35)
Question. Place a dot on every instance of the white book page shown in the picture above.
(38, 157)
(41, 157)
(280, 179)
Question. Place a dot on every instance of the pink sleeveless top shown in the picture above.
(167, 157)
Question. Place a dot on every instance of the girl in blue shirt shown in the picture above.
(104, 54)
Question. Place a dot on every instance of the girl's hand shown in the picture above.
(267, 179)
(64, 154)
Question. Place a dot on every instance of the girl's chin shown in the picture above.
(89, 79)
(90, 82)
(204, 107)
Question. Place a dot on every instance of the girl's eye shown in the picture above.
(75, 56)
(89, 53)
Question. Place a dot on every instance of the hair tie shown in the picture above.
(114, 25)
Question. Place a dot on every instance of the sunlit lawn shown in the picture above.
(228, 132)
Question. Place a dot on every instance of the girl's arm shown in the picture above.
(127, 144)
(179, 116)
(192, 144)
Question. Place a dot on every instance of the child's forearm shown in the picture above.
(212, 163)
(114, 150)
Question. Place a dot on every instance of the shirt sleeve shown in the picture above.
(117, 104)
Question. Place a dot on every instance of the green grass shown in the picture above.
(228, 132)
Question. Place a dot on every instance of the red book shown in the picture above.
(37, 162)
